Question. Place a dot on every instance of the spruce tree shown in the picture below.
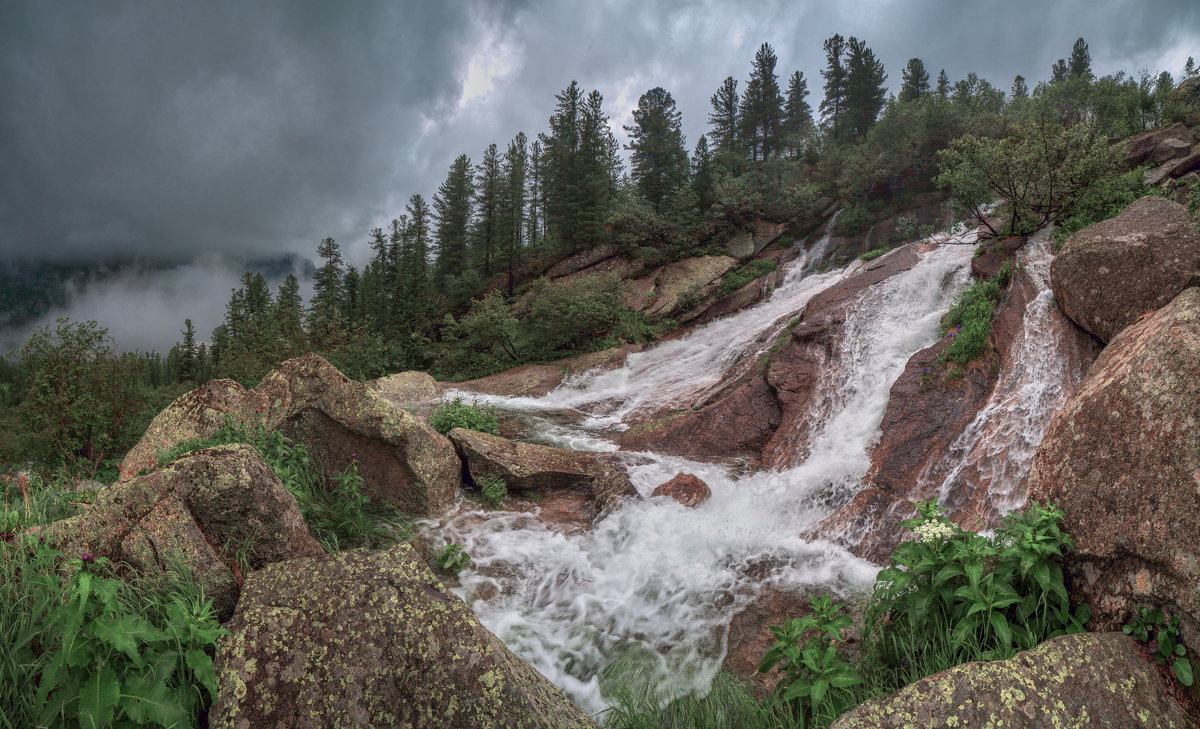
(413, 266)
(1020, 90)
(1059, 71)
(833, 105)
(1080, 65)
(288, 314)
(724, 117)
(797, 114)
(943, 85)
(703, 176)
(865, 91)
(486, 227)
(326, 310)
(512, 205)
(453, 204)
(535, 221)
(658, 159)
(599, 169)
(1189, 68)
(761, 110)
(915, 80)
(187, 370)
(563, 168)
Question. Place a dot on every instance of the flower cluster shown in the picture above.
(934, 530)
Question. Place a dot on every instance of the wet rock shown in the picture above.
(538, 380)
(402, 460)
(538, 468)
(1088, 681)
(209, 509)
(1122, 460)
(993, 254)
(737, 425)
(372, 640)
(686, 488)
(1111, 273)
(681, 279)
(582, 260)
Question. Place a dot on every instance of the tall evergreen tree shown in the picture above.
(724, 116)
(486, 229)
(943, 85)
(1059, 71)
(535, 222)
(835, 74)
(563, 176)
(453, 203)
(288, 314)
(797, 114)
(327, 308)
(865, 91)
(915, 80)
(512, 205)
(187, 371)
(1080, 65)
(703, 178)
(351, 305)
(1189, 68)
(658, 159)
(600, 167)
(761, 109)
(1020, 90)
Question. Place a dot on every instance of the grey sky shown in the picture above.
(174, 129)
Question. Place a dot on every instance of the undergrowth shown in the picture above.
(337, 511)
(81, 648)
(454, 413)
(968, 324)
(734, 280)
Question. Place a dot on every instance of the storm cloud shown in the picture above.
(180, 130)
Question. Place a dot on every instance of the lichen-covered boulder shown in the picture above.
(689, 278)
(372, 640)
(529, 467)
(686, 488)
(1111, 273)
(212, 511)
(403, 461)
(1122, 460)
(1084, 681)
(407, 389)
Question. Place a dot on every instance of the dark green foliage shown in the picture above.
(864, 89)
(760, 114)
(454, 413)
(797, 126)
(84, 649)
(493, 489)
(915, 80)
(452, 206)
(969, 322)
(565, 316)
(1150, 625)
(734, 280)
(452, 558)
(872, 254)
(724, 117)
(326, 313)
(1104, 200)
(658, 160)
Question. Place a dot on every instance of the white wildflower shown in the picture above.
(934, 530)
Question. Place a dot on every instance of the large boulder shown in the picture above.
(1122, 460)
(1111, 273)
(530, 467)
(1141, 148)
(215, 511)
(372, 640)
(1084, 681)
(689, 278)
(407, 389)
(403, 461)
(537, 380)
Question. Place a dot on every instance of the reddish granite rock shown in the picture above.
(685, 488)
(1122, 460)
(1137, 150)
(993, 254)
(1110, 274)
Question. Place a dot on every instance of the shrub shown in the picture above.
(734, 280)
(454, 413)
(452, 558)
(84, 649)
(494, 490)
(872, 254)
(571, 315)
(1103, 201)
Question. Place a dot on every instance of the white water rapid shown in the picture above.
(662, 581)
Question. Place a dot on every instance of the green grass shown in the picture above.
(969, 322)
(874, 253)
(454, 413)
(734, 280)
(336, 510)
(494, 490)
(729, 704)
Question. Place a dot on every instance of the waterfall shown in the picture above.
(656, 580)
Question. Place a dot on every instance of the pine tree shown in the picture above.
(943, 85)
(761, 110)
(288, 314)
(797, 114)
(658, 158)
(453, 207)
(1080, 65)
(865, 91)
(703, 178)
(915, 80)
(352, 309)
(724, 117)
(187, 370)
(833, 105)
(325, 312)
(1189, 68)
(600, 168)
(512, 205)
(413, 265)
(486, 228)
(563, 176)
(535, 222)
(1059, 71)
(1019, 88)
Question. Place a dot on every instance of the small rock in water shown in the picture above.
(685, 488)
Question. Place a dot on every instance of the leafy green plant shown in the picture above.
(452, 558)
(494, 490)
(454, 413)
(1150, 625)
(734, 280)
(729, 704)
(951, 595)
(968, 324)
(86, 649)
(814, 675)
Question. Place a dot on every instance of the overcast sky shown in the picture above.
(170, 129)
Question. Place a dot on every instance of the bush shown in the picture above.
(84, 649)
(454, 413)
(872, 254)
(734, 280)
(566, 316)
(1103, 201)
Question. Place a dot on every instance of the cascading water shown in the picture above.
(657, 580)
(996, 450)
